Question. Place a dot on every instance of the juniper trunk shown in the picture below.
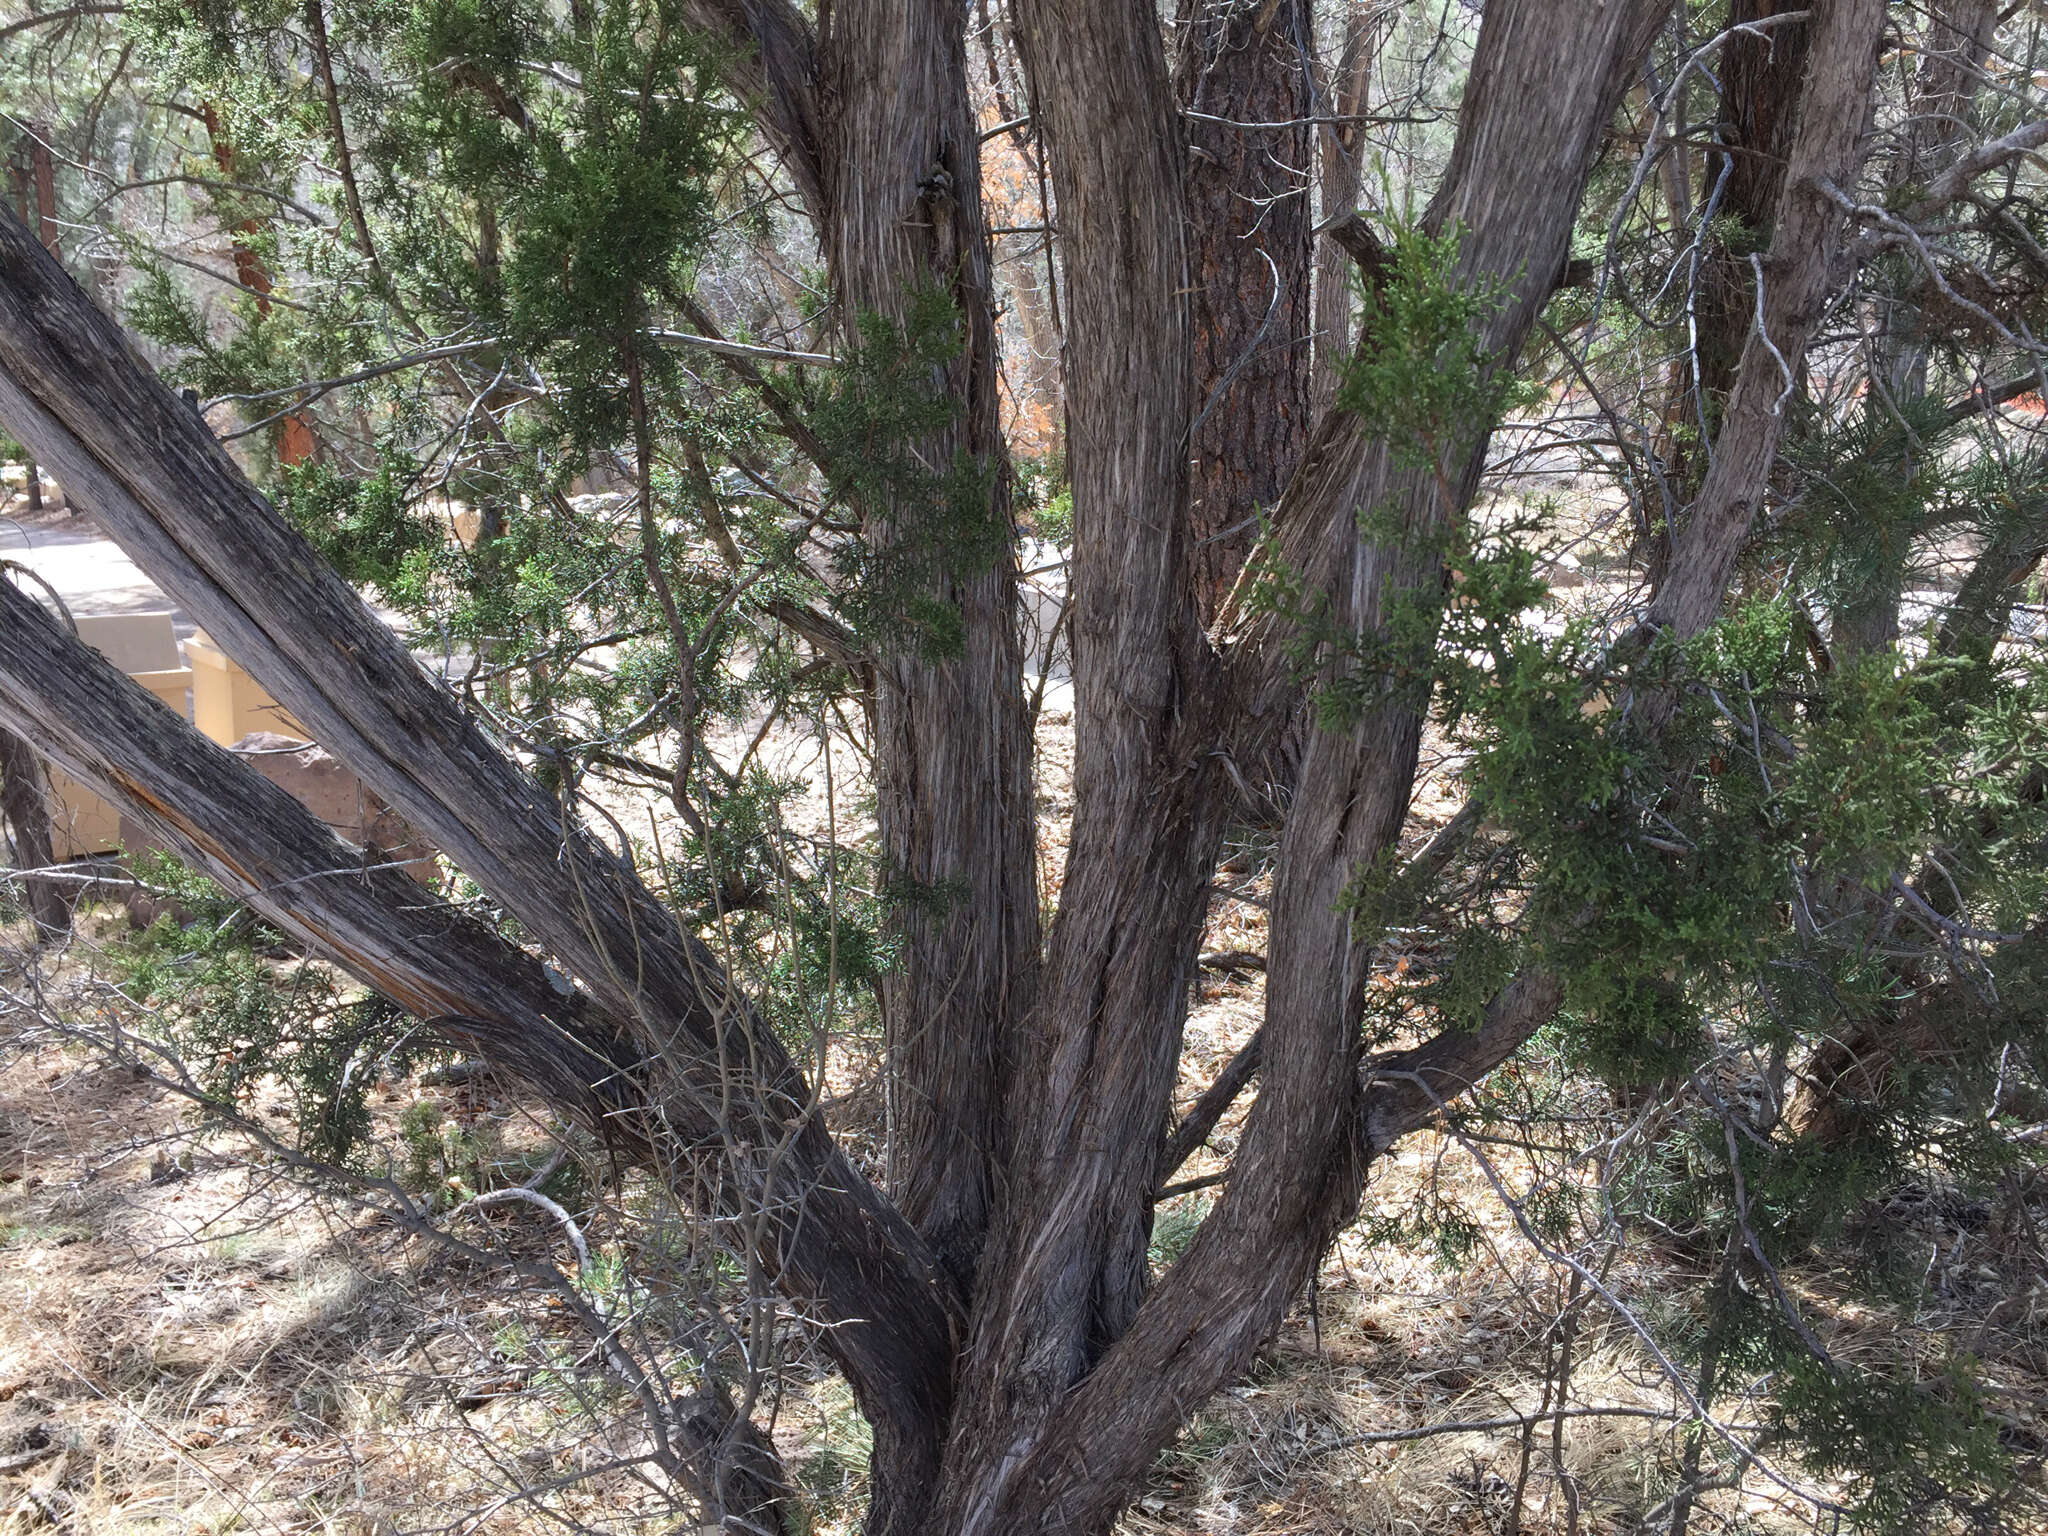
(1246, 62)
(1339, 146)
(1072, 1387)
(952, 737)
(25, 809)
(1042, 1409)
(874, 121)
(1744, 174)
(465, 982)
(1936, 132)
(1857, 1069)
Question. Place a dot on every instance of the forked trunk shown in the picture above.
(1073, 1368)
(1070, 1390)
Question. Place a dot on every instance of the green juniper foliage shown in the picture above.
(533, 193)
(941, 522)
(1729, 889)
(246, 1016)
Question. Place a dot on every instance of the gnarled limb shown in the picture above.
(147, 465)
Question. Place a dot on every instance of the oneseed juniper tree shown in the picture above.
(1750, 814)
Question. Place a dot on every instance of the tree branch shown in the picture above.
(50, 18)
(772, 64)
(1955, 181)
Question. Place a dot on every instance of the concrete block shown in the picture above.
(134, 642)
(227, 703)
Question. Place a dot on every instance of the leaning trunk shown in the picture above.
(464, 982)
(146, 464)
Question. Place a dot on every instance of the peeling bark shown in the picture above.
(1338, 145)
(25, 808)
(1041, 1404)
(875, 124)
(952, 738)
(1056, 1385)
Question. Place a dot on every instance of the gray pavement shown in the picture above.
(75, 556)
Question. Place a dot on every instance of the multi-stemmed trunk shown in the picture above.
(998, 1323)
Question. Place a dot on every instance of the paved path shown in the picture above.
(88, 569)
